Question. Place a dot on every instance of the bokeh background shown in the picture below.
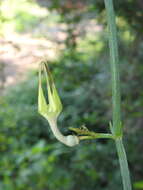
(72, 36)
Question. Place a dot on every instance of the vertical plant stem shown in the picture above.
(116, 97)
(114, 64)
(123, 165)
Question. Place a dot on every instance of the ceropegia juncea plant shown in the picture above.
(53, 108)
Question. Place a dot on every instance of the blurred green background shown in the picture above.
(76, 31)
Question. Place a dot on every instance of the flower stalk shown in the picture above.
(85, 134)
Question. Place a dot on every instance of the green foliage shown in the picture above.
(20, 16)
(138, 185)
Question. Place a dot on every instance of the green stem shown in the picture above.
(114, 64)
(116, 98)
(123, 165)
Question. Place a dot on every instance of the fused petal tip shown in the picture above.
(53, 108)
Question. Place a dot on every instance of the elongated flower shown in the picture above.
(53, 108)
